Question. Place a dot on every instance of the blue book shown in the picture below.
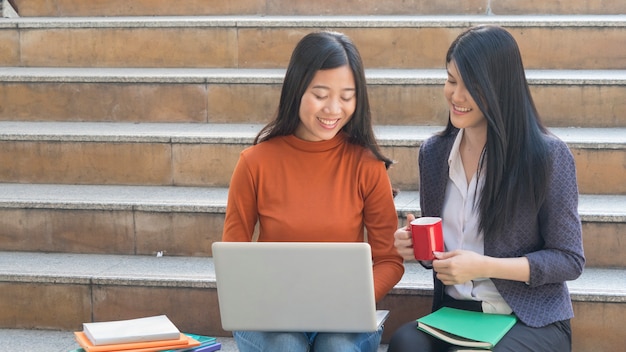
(207, 344)
(208, 348)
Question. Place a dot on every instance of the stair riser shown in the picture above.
(604, 244)
(600, 171)
(9, 42)
(191, 234)
(68, 306)
(542, 7)
(571, 105)
(596, 326)
(44, 306)
(103, 102)
(323, 7)
(193, 310)
(546, 47)
(118, 163)
(110, 232)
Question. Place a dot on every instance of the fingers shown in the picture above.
(406, 253)
(404, 245)
(402, 234)
(441, 264)
(409, 218)
(455, 267)
(441, 255)
(446, 279)
(403, 240)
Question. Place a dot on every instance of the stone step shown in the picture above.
(61, 291)
(417, 41)
(182, 154)
(6, 9)
(67, 8)
(185, 221)
(34, 340)
(565, 98)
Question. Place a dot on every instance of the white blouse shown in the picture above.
(460, 228)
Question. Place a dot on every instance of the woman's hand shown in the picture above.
(461, 266)
(458, 266)
(403, 240)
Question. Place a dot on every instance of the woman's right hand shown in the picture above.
(403, 240)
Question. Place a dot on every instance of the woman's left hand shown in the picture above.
(457, 267)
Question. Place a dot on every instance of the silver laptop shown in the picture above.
(296, 286)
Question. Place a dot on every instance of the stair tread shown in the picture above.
(595, 284)
(275, 75)
(281, 7)
(592, 207)
(237, 133)
(63, 341)
(600, 285)
(369, 21)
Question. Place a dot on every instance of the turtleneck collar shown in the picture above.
(315, 147)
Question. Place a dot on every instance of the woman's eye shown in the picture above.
(347, 98)
(319, 97)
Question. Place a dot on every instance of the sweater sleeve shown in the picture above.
(241, 209)
(381, 220)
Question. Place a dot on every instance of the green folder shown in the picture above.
(467, 328)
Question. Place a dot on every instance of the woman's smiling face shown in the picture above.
(464, 113)
(327, 104)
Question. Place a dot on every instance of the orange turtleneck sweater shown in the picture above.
(326, 191)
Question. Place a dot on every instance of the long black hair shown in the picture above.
(515, 156)
(322, 51)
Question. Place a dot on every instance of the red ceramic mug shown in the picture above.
(427, 237)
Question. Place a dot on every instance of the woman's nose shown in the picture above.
(333, 106)
(457, 95)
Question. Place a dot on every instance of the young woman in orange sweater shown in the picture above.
(316, 174)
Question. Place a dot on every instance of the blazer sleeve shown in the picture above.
(561, 257)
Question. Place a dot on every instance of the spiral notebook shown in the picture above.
(296, 286)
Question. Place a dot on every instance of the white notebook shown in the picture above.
(296, 286)
(133, 330)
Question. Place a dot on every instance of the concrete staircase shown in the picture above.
(121, 122)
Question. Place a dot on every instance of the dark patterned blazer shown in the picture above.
(551, 240)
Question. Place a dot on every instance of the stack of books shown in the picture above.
(156, 333)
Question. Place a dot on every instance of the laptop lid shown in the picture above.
(296, 286)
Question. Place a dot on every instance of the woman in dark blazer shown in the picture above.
(507, 193)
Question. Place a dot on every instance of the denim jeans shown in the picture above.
(258, 341)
